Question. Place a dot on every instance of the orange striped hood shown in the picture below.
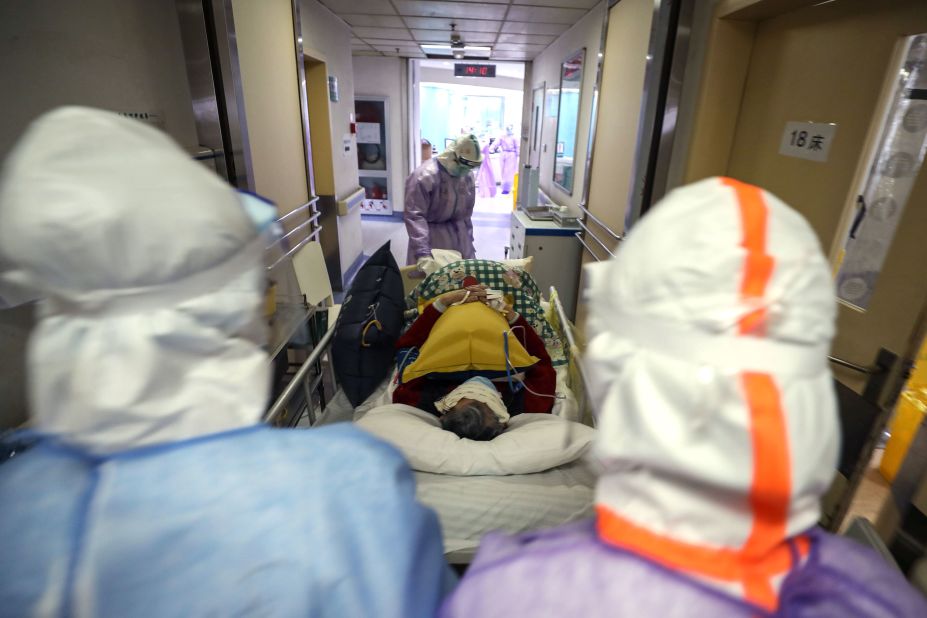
(708, 338)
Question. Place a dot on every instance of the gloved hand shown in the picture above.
(426, 264)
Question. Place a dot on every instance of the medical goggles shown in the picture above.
(468, 162)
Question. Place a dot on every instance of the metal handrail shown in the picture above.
(312, 236)
(595, 238)
(855, 367)
(300, 376)
(311, 219)
(600, 223)
(579, 237)
(298, 209)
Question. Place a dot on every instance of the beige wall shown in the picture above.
(328, 38)
(387, 77)
(823, 63)
(267, 58)
(121, 55)
(587, 33)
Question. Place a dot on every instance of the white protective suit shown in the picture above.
(153, 489)
(718, 434)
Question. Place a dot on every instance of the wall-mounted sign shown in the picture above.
(807, 140)
(333, 89)
(368, 132)
(462, 69)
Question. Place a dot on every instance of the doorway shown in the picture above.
(444, 107)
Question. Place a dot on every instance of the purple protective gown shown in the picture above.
(486, 180)
(438, 208)
(508, 145)
(568, 571)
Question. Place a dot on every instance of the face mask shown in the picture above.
(479, 389)
(481, 380)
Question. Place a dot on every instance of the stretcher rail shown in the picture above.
(296, 383)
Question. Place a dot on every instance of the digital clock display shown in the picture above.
(474, 70)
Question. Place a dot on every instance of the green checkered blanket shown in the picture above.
(518, 287)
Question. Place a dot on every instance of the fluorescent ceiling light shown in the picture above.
(468, 51)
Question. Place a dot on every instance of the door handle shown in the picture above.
(860, 215)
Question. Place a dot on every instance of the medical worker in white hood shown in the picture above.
(153, 489)
(707, 368)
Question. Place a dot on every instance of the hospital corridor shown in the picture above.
(463, 308)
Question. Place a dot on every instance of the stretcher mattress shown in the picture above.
(471, 506)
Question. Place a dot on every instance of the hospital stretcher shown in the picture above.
(470, 506)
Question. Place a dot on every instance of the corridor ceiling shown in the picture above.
(514, 29)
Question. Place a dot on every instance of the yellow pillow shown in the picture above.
(469, 337)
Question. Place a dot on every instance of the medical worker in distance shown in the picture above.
(707, 365)
(154, 490)
(439, 199)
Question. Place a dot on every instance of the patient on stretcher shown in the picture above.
(473, 365)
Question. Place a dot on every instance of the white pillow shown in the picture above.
(531, 443)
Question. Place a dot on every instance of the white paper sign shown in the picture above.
(807, 140)
(346, 142)
(368, 132)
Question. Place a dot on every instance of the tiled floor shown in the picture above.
(491, 230)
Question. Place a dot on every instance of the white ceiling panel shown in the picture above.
(515, 29)
(402, 48)
(545, 14)
(518, 47)
(542, 39)
(390, 42)
(506, 55)
(425, 8)
(380, 21)
(444, 23)
(367, 32)
(522, 27)
(570, 4)
(443, 36)
(358, 7)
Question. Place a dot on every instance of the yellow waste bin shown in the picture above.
(909, 415)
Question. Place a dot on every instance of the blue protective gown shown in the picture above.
(257, 522)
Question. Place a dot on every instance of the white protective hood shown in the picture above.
(149, 270)
(708, 337)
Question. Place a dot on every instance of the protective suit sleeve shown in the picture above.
(471, 203)
(417, 202)
(396, 551)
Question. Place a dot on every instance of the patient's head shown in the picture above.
(472, 419)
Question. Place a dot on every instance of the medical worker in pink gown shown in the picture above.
(485, 179)
(508, 146)
(439, 199)
(717, 435)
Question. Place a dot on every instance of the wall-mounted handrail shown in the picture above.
(579, 237)
(595, 238)
(299, 227)
(855, 367)
(299, 208)
(300, 377)
(314, 235)
(600, 223)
